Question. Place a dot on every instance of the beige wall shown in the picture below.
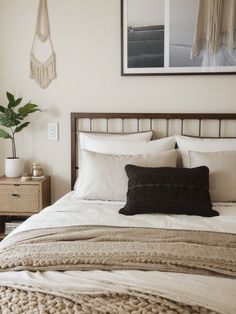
(86, 37)
(2, 155)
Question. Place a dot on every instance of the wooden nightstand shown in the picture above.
(22, 198)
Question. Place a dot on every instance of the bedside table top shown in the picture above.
(5, 180)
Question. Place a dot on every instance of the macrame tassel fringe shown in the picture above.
(43, 74)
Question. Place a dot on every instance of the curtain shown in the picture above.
(215, 31)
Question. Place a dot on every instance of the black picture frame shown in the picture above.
(126, 71)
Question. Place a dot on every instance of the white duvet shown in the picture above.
(216, 293)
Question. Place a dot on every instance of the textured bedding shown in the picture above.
(100, 288)
(33, 302)
(108, 248)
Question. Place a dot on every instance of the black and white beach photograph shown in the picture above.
(145, 33)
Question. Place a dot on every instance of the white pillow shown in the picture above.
(139, 136)
(187, 144)
(126, 147)
(103, 176)
(222, 166)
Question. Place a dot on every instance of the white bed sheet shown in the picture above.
(70, 211)
(216, 293)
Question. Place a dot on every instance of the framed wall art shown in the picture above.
(178, 37)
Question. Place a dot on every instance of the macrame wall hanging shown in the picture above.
(42, 72)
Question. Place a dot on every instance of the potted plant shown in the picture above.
(12, 117)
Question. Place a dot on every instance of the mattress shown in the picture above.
(215, 293)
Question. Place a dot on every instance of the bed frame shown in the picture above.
(150, 121)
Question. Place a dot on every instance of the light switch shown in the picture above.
(53, 131)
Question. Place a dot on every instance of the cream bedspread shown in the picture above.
(215, 293)
(111, 248)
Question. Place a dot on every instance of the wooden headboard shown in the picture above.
(192, 124)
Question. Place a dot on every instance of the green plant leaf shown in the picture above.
(2, 109)
(14, 119)
(11, 100)
(10, 97)
(21, 127)
(13, 116)
(27, 109)
(9, 118)
(16, 103)
(4, 134)
(6, 121)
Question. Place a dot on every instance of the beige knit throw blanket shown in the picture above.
(109, 248)
(13, 300)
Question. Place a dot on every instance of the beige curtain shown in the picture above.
(215, 25)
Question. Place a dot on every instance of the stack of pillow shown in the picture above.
(132, 168)
(219, 155)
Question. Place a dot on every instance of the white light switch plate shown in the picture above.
(53, 131)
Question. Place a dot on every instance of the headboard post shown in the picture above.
(73, 149)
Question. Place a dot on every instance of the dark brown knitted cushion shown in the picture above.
(169, 191)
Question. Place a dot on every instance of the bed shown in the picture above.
(81, 256)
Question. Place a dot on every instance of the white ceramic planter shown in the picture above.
(14, 167)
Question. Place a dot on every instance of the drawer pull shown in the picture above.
(15, 195)
(16, 184)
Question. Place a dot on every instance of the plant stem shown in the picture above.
(13, 148)
(13, 144)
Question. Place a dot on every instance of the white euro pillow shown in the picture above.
(122, 147)
(103, 176)
(187, 144)
(139, 136)
(126, 147)
(222, 169)
(88, 139)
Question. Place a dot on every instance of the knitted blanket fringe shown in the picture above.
(14, 300)
(108, 248)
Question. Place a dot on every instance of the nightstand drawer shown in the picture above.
(19, 198)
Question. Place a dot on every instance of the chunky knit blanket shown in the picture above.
(32, 302)
(108, 248)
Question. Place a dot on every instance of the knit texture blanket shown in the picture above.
(21, 301)
(109, 248)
